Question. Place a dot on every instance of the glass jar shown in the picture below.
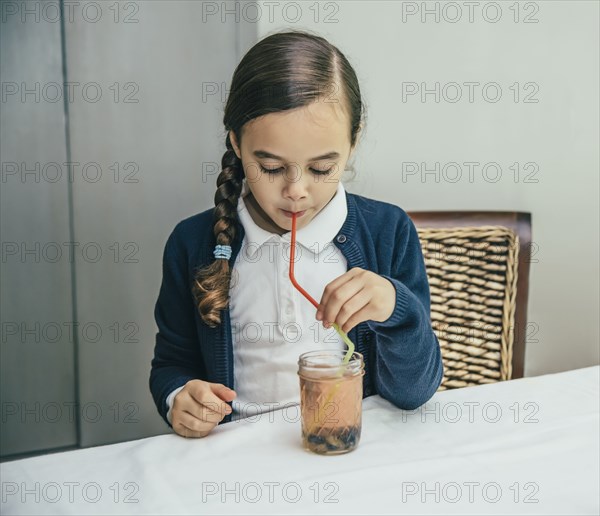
(330, 400)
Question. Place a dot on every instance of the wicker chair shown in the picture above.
(478, 269)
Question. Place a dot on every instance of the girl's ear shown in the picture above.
(234, 142)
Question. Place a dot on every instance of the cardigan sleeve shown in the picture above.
(177, 357)
(408, 366)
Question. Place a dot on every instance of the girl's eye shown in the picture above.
(313, 170)
(271, 170)
(321, 172)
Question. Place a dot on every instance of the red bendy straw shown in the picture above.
(345, 338)
(292, 255)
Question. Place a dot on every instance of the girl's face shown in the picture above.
(293, 161)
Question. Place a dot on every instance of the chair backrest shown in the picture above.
(478, 269)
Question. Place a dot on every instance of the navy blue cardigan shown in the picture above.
(402, 355)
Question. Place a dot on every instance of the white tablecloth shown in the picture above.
(528, 446)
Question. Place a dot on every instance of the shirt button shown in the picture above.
(341, 239)
(289, 310)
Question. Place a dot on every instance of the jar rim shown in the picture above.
(318, 359)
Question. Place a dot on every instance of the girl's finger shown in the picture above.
(337, 300)
(335, 284)
(347, 313)
(364, 314)
(205, 411)
(191, 426)
(203, 395)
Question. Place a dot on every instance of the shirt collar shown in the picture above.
(314, 237)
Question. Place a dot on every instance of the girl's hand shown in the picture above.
(356, 296)
(199, 407)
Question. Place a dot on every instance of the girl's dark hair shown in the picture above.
(283, 71)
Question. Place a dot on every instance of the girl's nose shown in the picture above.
(296, 183)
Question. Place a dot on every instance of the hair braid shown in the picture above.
(211, 283)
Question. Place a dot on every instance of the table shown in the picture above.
(527, 446)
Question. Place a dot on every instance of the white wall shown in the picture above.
(558, 133)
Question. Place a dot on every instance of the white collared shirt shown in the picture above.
(272, 323)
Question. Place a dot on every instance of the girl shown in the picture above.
(227, 313)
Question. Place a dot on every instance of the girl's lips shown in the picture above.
(289, 213)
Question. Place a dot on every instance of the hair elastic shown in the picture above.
(222, 251)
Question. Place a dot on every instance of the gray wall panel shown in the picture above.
(37, 383)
